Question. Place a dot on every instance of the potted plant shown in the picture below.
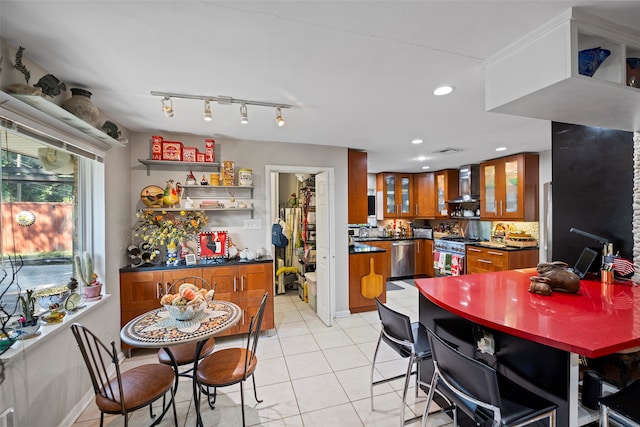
(29, 320)
(91, 287)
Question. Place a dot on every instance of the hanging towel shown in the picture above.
(447, 264)
(441, 262)
(436, 259)
(455, 265)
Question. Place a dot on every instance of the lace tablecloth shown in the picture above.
(158, 329)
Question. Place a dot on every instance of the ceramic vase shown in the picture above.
(80, 105)
(633, 72)
(590, 59)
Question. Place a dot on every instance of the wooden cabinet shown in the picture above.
(482, 260)
(244, 285)
(397, 194)
(424, 257)
(359, 266)
(509, 188)
(386, 245)
(424, 192)
(357, 187)
(446, 188)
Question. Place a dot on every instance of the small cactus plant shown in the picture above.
(84, 269)
(28, 307)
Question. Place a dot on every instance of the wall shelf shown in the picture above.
(182, 165)
(537, 76)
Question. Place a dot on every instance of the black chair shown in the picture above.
(127, 391)
(184, 354)
(622, 406)
(480, 392)
(407, 339)
(232, 365)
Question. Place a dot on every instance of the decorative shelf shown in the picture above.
(176, 164)
(537, 76)
(67, 118)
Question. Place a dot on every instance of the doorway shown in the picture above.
(324, 229)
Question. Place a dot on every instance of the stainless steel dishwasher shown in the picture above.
(403, 258)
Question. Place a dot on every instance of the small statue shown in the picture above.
(554, 276)
(204, 181)
(191, 179)
(171, 197)
(172, 254)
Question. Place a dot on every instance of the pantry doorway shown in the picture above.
(325, 229)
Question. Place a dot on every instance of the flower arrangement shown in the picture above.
(164, 228)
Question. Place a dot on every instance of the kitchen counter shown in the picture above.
(383, 239)
(537, 338)
(202, 263)
(360, 248)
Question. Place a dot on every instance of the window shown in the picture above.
(40, 207)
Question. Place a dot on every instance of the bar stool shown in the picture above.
(622, 406)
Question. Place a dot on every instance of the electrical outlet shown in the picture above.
(252, 224)
(486, 344)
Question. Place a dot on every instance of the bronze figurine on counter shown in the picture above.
(554, 276)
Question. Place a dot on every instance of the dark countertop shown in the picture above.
(199, 264)
(359, 248)
(380, 239)
(503, 248)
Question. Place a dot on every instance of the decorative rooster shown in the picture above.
(170, 197)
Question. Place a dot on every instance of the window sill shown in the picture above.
(47, 332)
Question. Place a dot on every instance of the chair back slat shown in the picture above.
(195, 280)
(254, 334)
(396, 326)
(100, 361)
(473, 378)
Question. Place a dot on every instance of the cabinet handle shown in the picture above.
(485, 261)
(243, 317)
(495, 253)
(235, 284)
(158, 291)
(474, 250)
(242, 283)
(417, 211)
(500, 207)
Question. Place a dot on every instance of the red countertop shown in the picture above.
(599, 320)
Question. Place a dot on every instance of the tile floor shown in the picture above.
(308, 375)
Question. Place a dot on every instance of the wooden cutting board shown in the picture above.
(372, 284)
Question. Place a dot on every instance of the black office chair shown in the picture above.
(622, 406)
(480, 392)
(407, 339)
(126, 391)
(184, 354)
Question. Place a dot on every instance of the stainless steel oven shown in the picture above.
(449, 257)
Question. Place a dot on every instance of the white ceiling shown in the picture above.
(359, 74)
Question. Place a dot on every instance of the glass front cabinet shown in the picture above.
(397, 194)
(509, 188)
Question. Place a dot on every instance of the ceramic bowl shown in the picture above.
(48, 297)
(185, 312)
(7, 339)
(633, 72)
(590, 59)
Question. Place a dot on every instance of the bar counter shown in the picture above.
(538, 338)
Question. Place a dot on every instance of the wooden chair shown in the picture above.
(407, 339)
(232, 365)
(127, 391)
(480, 392)
(184, 354)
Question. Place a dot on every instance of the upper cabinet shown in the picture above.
(538, 76)
(509, 188)
(447, 188)
(357, 187)
(425, 195)
(397, 194)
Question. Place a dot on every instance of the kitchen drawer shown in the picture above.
(480, 260)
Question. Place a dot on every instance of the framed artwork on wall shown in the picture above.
(213, 244)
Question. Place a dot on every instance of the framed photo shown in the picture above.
(213, 244)
(190, 259)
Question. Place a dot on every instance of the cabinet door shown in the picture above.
(404, 194)
(424, 194)
(428, 255)
(389, 192)
(420, 257)
(255, 280)
(170, 276)
(140, 291)
(357, 187)
(446, 185)
(489, 190)
(225, 280)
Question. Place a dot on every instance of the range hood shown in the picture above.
(469, 184)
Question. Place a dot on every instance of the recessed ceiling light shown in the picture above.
(421, 158)
(501, 148)
(426, 167)
(443, 90)
(417, 141)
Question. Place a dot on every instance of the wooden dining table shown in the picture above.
(157, 329)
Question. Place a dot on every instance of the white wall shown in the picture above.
(253, 155)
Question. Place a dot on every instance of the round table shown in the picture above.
(157, 329)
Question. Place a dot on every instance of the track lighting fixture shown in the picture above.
(244, 119)
(279, 118)
(167, 105)
(207, 111)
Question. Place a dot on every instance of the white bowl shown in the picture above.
(45, 301)
(185, 312)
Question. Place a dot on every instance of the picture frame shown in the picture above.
(213, 244)
(190, 259)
